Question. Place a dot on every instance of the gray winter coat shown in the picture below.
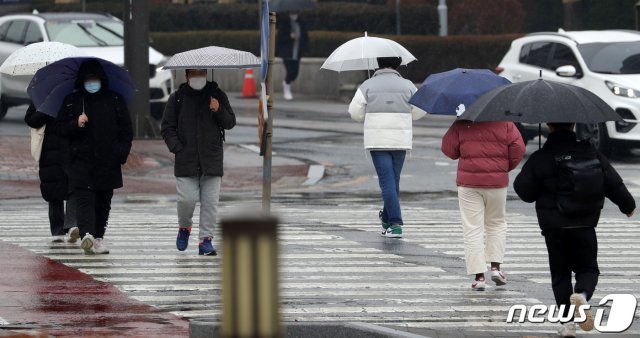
(195, 133)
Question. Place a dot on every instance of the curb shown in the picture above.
(211, 328)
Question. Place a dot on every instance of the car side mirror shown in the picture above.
(566, 71)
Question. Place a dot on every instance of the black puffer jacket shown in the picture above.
(53, 180)
(194, 134)
(537, 179)
(97, 151)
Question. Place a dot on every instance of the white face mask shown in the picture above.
(293, 16)
(198, 82)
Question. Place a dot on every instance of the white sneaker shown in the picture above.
(478, 285)
(287, 91)
(567, 330)
(498, 277)
(87, 244)
(73, 235)
(57, 239)
(578, 299)
(99, 248)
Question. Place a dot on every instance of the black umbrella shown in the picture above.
(540, 101)
(291, 5)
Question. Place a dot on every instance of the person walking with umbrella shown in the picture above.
(53, 179)
(193, 126)
(95, 121)
(569, 180)
(382, 102)
(292, 41)
(487, 152)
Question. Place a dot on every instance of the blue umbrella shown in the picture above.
(52, 83)
(451, 92)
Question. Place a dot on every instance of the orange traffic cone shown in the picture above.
(249, 87)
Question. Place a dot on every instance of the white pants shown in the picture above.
(483, 225)
(191, 190)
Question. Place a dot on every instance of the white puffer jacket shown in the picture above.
(382, 102)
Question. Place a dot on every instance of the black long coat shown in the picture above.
(97, 151)
(537, 179)
(284, 42)
(194, 133)
(53, 180)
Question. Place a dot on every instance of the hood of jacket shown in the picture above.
(91, 68)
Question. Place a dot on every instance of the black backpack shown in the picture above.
(580, 181)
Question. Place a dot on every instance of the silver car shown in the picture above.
(99, 35)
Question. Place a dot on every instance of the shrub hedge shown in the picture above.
(332, 16)
(435, 54)
(355, 15)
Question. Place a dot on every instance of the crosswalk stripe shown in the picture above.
(328, 276)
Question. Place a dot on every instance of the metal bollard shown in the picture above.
(250, 295)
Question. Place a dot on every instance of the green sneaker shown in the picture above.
(394, 231)
(384, 225)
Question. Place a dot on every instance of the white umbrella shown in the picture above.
(361, 54)
(212, 57)
(29, 59)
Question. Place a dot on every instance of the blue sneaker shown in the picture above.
(206, 247)
(182, 242)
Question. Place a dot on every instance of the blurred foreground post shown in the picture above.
(250, 297)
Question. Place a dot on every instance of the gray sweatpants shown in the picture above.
(191, 190)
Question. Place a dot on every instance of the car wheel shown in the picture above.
(597, 135)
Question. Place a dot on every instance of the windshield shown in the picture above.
(612, 58)
(86, 33)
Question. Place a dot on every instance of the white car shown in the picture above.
(605, 62)
(99, 35)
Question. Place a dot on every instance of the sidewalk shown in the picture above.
(44, 298)
(149, 169)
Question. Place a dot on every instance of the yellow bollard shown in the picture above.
(250, 297)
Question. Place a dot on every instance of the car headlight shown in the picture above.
(622, 91)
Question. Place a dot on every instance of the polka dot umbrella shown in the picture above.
(29, 59)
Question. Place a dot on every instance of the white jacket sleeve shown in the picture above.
(417, 113)
(357, 107)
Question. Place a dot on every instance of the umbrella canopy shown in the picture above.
(451, 92)
(291, 5)
(27, 60)
(362, 53)
(540, 101)
(212, 57)
(54, 82)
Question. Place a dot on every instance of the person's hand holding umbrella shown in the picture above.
(82, 120)
(214, 105)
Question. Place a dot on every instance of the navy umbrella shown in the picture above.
(540, 101)
(450, 92)
(52, 83)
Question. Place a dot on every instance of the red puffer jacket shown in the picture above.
(487, 152)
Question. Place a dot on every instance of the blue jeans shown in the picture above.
(388, 165)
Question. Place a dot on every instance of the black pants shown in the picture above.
(59, 220)
(572, 250)
(292, 66)
(93, 211)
